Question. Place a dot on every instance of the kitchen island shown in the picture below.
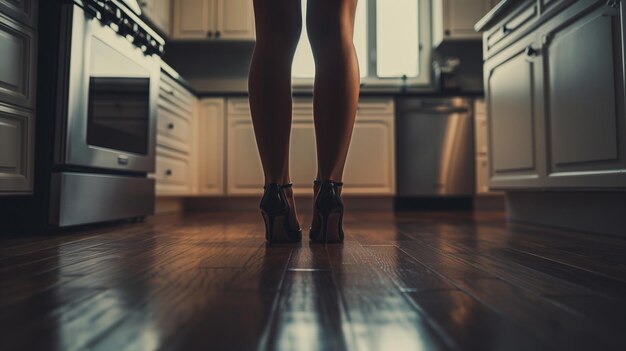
(554, 84)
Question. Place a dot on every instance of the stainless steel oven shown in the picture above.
(107, 88)
(111, 87)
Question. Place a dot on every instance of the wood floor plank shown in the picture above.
(446, 280)
(310, 314)
(471, 325)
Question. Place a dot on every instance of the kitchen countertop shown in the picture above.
(495, 14)
(239, 87)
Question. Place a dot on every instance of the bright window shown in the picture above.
(388, 49)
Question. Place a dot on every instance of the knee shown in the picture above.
(328, 30)
(280, 33)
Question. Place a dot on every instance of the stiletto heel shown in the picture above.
(329, 207)
(275, 211)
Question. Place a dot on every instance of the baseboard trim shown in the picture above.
(592, 212)
(165, 205)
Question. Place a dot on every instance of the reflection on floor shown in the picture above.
(407, 281)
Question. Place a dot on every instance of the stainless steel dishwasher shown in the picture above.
(435, 148)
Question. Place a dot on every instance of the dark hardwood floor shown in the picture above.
(405, 281)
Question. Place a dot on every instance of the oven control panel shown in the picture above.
(126, 23)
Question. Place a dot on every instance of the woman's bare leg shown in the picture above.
(278, 28)
(330, 25)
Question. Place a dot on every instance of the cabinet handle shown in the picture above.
(218, 34)
(170, 126)
(209, 34)
(612, 3)
(168, 172)
(169, 91)
(530, 51)
(504, 30)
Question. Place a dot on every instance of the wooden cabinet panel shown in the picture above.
(514, 135)
(16, 150)
(455, 19)
(235, 19)
(585, 109)
(193, 19)
(173, 130)
(172, 174)
(158, 11)
(244, 169)
(370, 165)
(214, 19)
(17, 63)
(303, 156)
(211, 146)
(24, 11)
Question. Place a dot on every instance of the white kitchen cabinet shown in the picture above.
(177, 123)
(370, 166)
(213, 20)
(211, 147)
(159, 11)
(243, 164)
(173, 173)
(455, 19)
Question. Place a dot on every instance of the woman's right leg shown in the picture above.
(278, 28)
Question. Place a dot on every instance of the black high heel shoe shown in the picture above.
(276, 213)
(329, 213)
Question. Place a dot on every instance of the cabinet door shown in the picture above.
(462, 15)
(17, 63)
(16, 150)
(303, 155)
(193, 19)
(515, 134)
(211, 146)
(172, 173)
(163, 15)
(585, 93)
(244, 169)
(235, 19)
(370, 165)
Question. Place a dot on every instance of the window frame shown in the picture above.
(424, 79)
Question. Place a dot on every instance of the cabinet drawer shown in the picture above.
(174, 93)
(376, 107)
(17, 58)
(20, 10)
(173, 130)
(513, 24)
(238, 106)
(16, 150)
(172, 173)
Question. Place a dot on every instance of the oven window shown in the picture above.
(119, 101)
(119, 110)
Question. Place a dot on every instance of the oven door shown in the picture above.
(112, 89)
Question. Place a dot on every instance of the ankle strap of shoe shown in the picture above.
(318, 182)
(282, 186)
